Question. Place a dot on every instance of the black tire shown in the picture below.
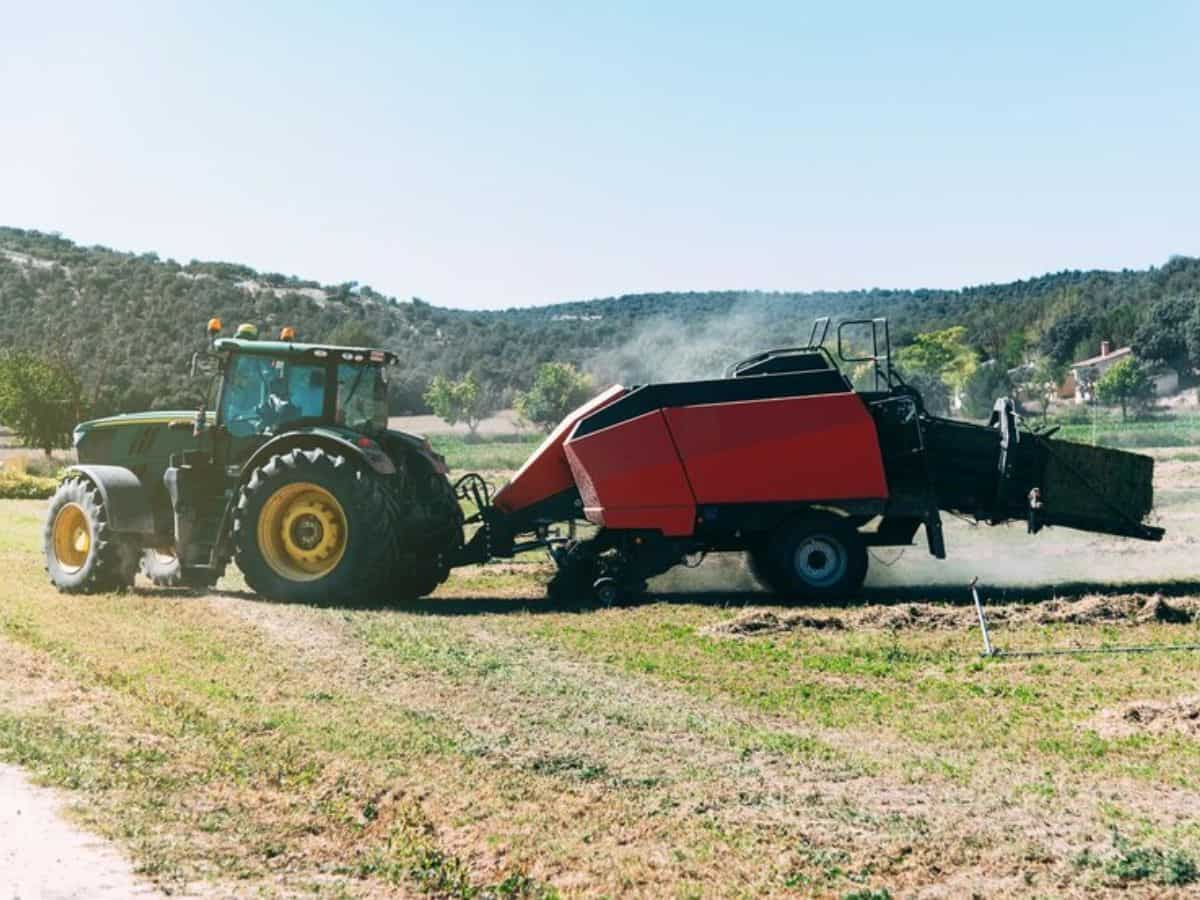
(164, 570)
(760, 566)
(83, 556)
(822, 560)
(571, 585)
(607, 592)
(364, 565)
(405, 588)
(413, 575)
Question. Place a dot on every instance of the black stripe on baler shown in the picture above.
(650, 397)
(797, 361)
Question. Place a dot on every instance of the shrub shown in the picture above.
(18, 486)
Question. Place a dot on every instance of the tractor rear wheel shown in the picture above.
(821, 559)
(311, 527)
(83, 556)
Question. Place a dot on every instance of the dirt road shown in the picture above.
(44, 856)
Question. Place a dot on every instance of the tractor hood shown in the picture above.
(155, 417)
(134, 440)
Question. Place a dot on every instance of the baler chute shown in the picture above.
(783, 459)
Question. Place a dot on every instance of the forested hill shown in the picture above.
(129, 323)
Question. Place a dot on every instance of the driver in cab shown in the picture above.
(278, 409)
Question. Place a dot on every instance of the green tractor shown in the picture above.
(288, 468)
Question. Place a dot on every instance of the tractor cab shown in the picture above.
(268, 388)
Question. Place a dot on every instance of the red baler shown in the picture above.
(785, 460)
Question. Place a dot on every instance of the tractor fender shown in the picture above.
(126, 500)
(372, 456)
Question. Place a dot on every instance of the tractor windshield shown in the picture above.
(362, 397)
(261, 395)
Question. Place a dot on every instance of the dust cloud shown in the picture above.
(671, 349)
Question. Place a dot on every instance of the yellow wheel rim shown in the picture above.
(302, 532)
(72, 536)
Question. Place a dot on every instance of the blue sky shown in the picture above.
(490, 155)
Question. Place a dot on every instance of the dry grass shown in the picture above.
(481, 744)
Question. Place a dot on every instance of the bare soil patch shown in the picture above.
(1181, 716)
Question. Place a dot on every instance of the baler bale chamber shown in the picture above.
(785, 461)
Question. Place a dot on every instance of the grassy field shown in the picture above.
(500, 456)
(1104, 427)
(482, 744)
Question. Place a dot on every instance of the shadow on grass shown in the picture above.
(954, 595)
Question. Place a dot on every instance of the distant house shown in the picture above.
(1085, 373)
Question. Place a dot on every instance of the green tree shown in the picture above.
(1041, 382)
(463, 401)
(1163, 335)
(989, 382)
(942, 355)
(1012, 354)
(557, 389)
(1125, 384)
(1062, 337)
(1085, 381)
(351, 333)
(1192, 336)
(39, 400)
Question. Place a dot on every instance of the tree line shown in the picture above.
(125, 325)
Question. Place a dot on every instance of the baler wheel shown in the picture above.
(571, 585)
(761, 567)
(606, 592)
(820, 560)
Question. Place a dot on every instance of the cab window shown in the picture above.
(362, 397)
(263, 395)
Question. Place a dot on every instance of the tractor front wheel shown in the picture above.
(83, 556)
(820, 559)
(163, 569)
(311, 527)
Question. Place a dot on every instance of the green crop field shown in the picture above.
(701, 743)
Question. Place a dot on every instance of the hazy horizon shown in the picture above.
(506, 157)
